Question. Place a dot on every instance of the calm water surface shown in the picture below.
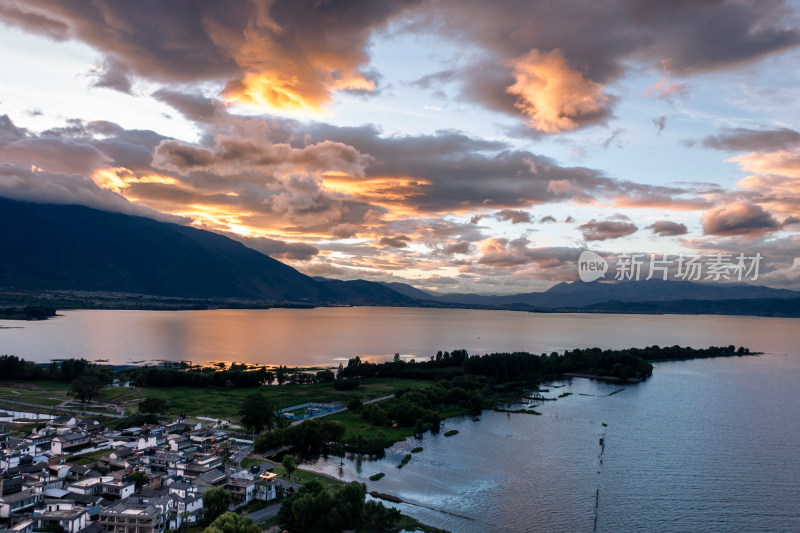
(704, 445)
(329, 335)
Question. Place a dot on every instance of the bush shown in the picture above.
(354, 404)
(346, 384)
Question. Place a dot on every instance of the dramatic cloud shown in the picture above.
(515, 216)
(282, 250)
(748, 140)
(401, 241)
(595, 230)
(284, 54)
(596, 44)
(194, 107)
(554, 96)
(53, 188)
(738, 219)
(667, 228)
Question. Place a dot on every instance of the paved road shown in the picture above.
(264, 514)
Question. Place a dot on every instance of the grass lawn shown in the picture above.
(249, 461)
(224, 403)
(86, 458)
(355, 425)
(44, 393)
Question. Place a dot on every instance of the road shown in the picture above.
(264, 514)
(271, 511)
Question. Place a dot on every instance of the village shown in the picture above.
(73, 475)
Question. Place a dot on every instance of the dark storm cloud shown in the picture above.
(667, 228)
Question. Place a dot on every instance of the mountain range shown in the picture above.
(48, 247)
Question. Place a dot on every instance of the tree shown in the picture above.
(232, 523)
(54, 527)
(140, 478)
(86, 388)
(153, 405)
(216, 501)
(354, 404)
(420, 427)
(257, 412)
(290, 464)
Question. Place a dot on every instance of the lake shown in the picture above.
(703, 445)
(327, 336)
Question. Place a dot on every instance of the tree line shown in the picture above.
(17, 368)
(627, 363)
(238, 376)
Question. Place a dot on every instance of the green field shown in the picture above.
(224, 403)
(86, 458)
(212, 402)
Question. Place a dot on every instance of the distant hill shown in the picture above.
(368, 292)
(776, 307)
(76, 248)
(580, 294)
(70, 247)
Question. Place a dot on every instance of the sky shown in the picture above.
(459, 146)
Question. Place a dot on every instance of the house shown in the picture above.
(212, 478)
(63, 421)
(20, 502)
(137, 515)
(65, 514)
(25, 526)
(187, 509)
(69, 443)
(105, 486)
(242, 489)
(164, 462)
(179, 443)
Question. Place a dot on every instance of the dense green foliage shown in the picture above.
(257, 412)
(289, 464)
(232, 523)
(87, 387)
(153, 406)
(631, 363)
(216, 501)
(30, 312)
(13, 367)
(312, 506)
(312, 436)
